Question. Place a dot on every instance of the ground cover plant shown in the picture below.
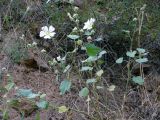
(79, 60)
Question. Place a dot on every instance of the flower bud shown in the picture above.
(77, 21)
(89, 39)
(143, 8)
(75, 9)
(79, 42)
(43, 51)
(134, 19)
(75, 29)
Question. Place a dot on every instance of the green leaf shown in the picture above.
(89, 33)
(138, 79)
(32, 95)
(27, 93)
(84, 92)
(99, 39)
(94, 58)
(119, 60)
(101, 54)
(65, 86)
(131, 54)
(9, 86)
(142, 60)
(86, 68)
(24, 92)
(141, 50)
(42, 104)
(92, 50)
(62, 109)
(90, 59)
(73, 37)
(93, 80)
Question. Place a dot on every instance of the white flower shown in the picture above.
(43, 51)
(47, 33)
(59, 58)
(89, 24)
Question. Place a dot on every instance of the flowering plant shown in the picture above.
(89, 24)
(47, 32)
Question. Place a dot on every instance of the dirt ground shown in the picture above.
(39, 81)
(138, 103)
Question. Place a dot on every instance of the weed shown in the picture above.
(17, 51)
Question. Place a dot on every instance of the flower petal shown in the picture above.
(45, 29)
(89, 24)
(59, 58)
(47, 37)
(51, 28)
(92, 20)
(85, 26)
(52, 34)
(42, 34)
